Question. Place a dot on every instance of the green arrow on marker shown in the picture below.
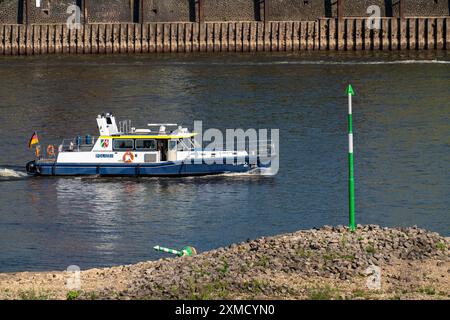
(350, 90)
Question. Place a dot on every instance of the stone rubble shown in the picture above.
(327, 253)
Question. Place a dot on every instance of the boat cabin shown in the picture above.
(159, 142)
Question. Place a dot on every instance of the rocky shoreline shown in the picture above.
(325, 263)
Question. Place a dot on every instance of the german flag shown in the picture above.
(33, 140)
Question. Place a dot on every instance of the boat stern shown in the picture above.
(31, 168)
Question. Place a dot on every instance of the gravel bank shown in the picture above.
(326, 263)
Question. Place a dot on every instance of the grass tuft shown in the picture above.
(323, 293)
(32, 295)
(72, 295)
(441, 246)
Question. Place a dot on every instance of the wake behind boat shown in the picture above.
(121, 150)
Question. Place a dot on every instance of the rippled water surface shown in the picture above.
(401, 127)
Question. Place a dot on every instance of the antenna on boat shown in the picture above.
(162, 126)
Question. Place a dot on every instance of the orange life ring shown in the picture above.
(51, 150)
(38, 151)
(128, 157)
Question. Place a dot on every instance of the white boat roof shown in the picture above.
(109, 129)
(151, 136)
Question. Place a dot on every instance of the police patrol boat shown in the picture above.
(122, 150)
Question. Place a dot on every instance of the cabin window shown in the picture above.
(146, 144)
(184, 144)
(123, 144)
(172, 145)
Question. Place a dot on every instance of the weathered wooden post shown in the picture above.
(340, 9)
(401, 9)
(266, 28)
(27, 10)
(85, 10)
(200, 29)
(340, 24)
(201, 14)
(266, 11)
(403, 25)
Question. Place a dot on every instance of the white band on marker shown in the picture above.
(350, 142)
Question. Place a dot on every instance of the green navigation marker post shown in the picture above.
(351, 178)
(168, 250)
(186, 251)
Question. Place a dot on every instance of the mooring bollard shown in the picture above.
(186, 251)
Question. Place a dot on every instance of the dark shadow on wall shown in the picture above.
(388, 8)
(192, 10)
(328, 9)
(257, 9)
(137, 11)
(80, 4)
(20, 11)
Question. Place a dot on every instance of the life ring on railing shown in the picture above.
(51, 150)
(128, 157)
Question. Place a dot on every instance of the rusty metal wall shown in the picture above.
(231, 10)
(296, 9)
(359, 8)
(10, 11)
(350, 34)
(427, 8)
(280, 10)
(127, 11)
(391, 8)
(105, 11)
(50, 11)
(169, 10)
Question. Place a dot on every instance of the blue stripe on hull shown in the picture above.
(74, 170)
(168, 169)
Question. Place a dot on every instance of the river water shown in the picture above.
(401, 128)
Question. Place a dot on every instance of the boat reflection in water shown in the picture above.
(116, 215)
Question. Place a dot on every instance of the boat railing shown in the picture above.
(77, 144)
(255, 148)
(47, 160)
(125, 126)
(264, 148)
